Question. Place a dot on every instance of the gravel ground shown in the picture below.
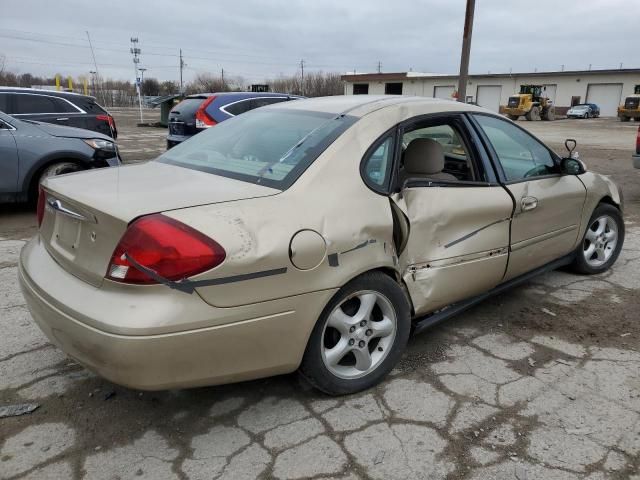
(541, 382)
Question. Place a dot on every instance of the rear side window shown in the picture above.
(63, 106)
(90, 106)
(239, 107)
(4, 103)
(377, 167)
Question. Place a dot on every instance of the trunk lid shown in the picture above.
(87, 213)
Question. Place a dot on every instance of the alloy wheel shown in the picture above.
(600, 241)
(358, 334)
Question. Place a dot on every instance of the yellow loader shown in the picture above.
(631, 107)
(532, 103)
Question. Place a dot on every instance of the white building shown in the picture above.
(606, 88)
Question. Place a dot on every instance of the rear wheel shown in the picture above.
(549, 114)
(602, 241)
(625, 119)
(359, 337)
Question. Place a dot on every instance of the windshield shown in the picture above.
(269, 147)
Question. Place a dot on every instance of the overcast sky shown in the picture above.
(263, 39)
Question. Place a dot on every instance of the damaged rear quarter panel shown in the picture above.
(330, 198)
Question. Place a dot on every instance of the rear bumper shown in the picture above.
(158, 338)
(173, 140)
(635, 159)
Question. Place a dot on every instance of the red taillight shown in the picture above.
(109, 119)
(40, 208)
(170, 248)
(638, 142)
(203, 119)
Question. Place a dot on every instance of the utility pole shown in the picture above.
(93, 82)
(379, 66)
(135, 51)
(182, 65)
(222, 77)
(95, 65)
(142, 70)
(302, 77)
(466, 51)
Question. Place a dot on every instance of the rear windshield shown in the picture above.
(268, 147)
(188, 106)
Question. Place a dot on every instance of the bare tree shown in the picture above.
(316, 84)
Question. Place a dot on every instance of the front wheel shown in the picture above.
(359, 337)
(58, 169)
(602, 241)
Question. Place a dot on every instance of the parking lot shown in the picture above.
(541, 382)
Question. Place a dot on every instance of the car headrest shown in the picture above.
(423, 156)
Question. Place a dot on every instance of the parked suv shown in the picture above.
(31, 151)
(61, 108)
(203, 110)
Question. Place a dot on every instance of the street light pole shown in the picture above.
(463, 79)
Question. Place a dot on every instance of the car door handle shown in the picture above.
(62, 119)
(529, 203)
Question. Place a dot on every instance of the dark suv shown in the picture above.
(203, 110)
(61, 108)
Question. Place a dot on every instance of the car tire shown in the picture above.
(58, 168)
(625, 119)
(359, 337)
(602, 241)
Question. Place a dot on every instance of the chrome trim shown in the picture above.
(57, 206)
(541, 238)
(223, 108)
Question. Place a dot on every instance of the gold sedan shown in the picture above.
(314, 235)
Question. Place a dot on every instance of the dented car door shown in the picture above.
(457, 245)
(458, 217)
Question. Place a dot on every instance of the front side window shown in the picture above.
(32, 104)
(264, 146)
(520, 155)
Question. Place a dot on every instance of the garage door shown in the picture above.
(445, 91)
(607, 96)
(488, 96)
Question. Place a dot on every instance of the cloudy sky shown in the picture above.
(262, 39)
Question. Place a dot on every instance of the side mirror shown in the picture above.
(572, 166)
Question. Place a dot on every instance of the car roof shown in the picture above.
(242, 95)
(361, 105)
(53, 93)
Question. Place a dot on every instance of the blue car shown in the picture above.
(204, 110)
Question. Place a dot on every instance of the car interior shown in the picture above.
(435, 153)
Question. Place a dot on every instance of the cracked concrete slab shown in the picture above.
(319, 456)
(149, 457)
(391, 452)
(33, 446)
